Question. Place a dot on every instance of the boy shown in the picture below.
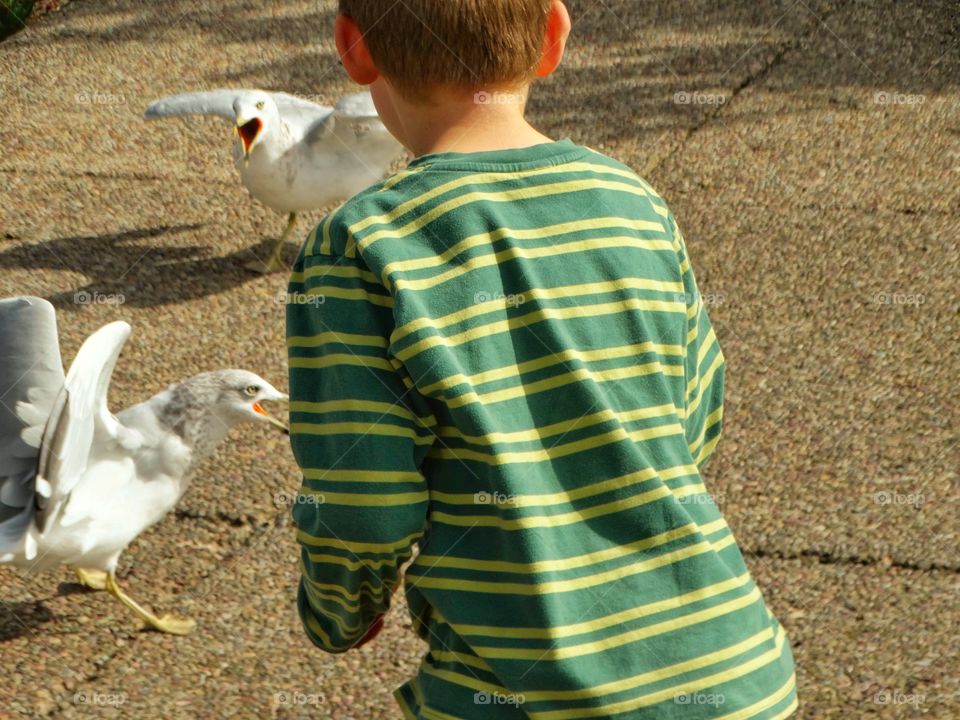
(509, 365)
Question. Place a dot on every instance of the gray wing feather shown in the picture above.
(301, 116)
(220, 103)
(358, 105)
(286, 101)
(354, 130)
(31, 376)
(210, 102)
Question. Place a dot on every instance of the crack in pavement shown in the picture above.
(248, 520)
(747, 82)
(905, 210)
(828, 558)
(220, 517)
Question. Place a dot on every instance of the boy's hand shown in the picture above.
(371, 633)
(377, 624)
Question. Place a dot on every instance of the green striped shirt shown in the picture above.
(502, 358)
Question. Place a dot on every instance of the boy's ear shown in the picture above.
(555, 42)
(353, 50)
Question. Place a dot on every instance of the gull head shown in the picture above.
(255, 112)
(240, 396)
(202, 409)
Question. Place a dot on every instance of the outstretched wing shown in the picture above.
(299, 115)
(355, 140)
(31, 375)
(220, 103)
(351, 108)
(80, 425)
(285, 101)
(358, 106)
(210, 102)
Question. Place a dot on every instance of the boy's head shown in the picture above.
(420, 46)
(470, 45)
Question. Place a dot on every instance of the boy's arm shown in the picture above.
(359, 431)
(703, 365)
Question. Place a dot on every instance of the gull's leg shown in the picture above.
(275, 263)
(167, 624)
(276, 260)
(94, 579)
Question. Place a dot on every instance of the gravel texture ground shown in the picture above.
(810, 150)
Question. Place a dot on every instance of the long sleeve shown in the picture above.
(360, 432)
(703, 366)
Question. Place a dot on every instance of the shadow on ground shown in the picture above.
(22, 618)
(130, 268)
(151, 20)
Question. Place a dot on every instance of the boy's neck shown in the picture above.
(468, 123)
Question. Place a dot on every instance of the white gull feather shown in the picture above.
(295, 155)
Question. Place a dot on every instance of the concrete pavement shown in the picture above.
(810, 150)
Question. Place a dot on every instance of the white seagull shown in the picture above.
(294, 155)
(78, 483)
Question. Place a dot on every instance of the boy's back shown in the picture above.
(510, 347)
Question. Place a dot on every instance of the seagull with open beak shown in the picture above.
(293, 154)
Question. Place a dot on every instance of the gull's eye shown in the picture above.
(260, 105)
(252, 390)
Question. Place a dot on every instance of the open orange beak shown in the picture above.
(258, 409)
(248, 133)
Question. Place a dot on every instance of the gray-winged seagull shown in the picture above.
(78, 483)
(294, 155)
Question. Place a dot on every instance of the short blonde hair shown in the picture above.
(466, 44)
